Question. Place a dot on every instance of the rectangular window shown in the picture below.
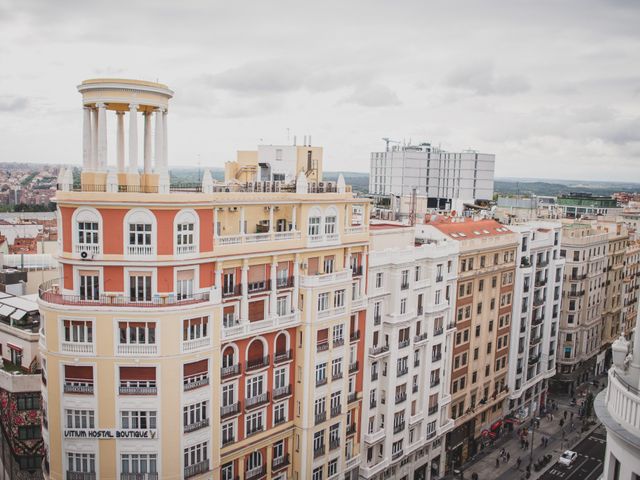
(254, 423)
(137, 333)
(379, 280)
(139, 463)
(78, 331)
(185, 240)
(89, 286)
(81, 462)
(323, 301)
(195, 328)
(88, 233)
(196, 454)
(138, 420)
(140, 287)
(79, 419)
(314, 226)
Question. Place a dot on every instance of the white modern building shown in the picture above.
(447, 179)
(408, 343)
(536, 312)
(617, 408)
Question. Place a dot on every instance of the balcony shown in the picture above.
(50, 292)
(321, 381)
(84, 389)
(420, 338)
(192, 427)
(351, 429)
(196, 344)
(256, 401)
(334, 443)
(235, 329)
(322, 346)
(281, 392)
(435, 382)
(81, 475)
(401, 397)
(352, 397)
(337, 375)
(137, 390)
(256, 473)
(402, 371)
(353, 367)
(535, 340)
(399, 427)
(280, 462)
(257, 364)
(231, 291)
(404, 343)
(359, 303)
(354, 229)
(396, 455)
(540, 282)
(575, 293)
(195, 381)
(321, 280)
(229, 410)
(186, 249)
(284, 282)
(196, 469)
(338, 342)
(320, 417)
(230, 371)
(538, 301)
(534, 359)
(436, 356)
(354, 336)
(318, 452)
(282, 357)
(377, 351)
(377, 319)
(374, 376)
(142, 349)
(374, 437)
(432, 410)
(90, 248)
(414, 388)
(336, 410)
(257, 429)
(542, 263)
(438, 331)
(140, 250)
(139, 476)
(356, 271)
(278, 419)
(78, 348)
(404, 286)
(253, 238)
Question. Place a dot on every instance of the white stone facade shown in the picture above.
(408, 355)
(535, 318)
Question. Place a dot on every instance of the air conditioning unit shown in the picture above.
(85, 255)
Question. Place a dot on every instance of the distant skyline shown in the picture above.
(552, 88)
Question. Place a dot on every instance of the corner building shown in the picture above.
(204, 330)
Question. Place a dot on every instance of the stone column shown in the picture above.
(242, 229)
(293, 218)
(120, 142)
(147, 143)
(87, 161)
(165, 156)
(215, 222)
(94, 139)
(133, 138)
(271, 219)
(102, 137)
(296, 282)
(273, 298)
(244, 302)
(218, 275)
(159, 146)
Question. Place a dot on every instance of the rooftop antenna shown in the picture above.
(387, 140)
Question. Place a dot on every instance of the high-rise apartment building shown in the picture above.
(199, 331)
(536, 315)
(448, 180)
(584, 247)
(483, 315)
(409, 344)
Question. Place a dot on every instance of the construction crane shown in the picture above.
(388, 141)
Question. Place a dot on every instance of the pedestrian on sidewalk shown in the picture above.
(508, 457)
(518, 462)
(571, 415)
(497, 462)
(565, 414)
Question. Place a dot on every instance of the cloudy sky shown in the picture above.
(552, 87)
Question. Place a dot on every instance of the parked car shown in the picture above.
(567, 458)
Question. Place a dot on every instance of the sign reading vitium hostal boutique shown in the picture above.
(110, 433)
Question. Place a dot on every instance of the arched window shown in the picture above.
(330, 221)
(315, 221)
(281, 344)
(186, 232)
(87, 225)
(140, 232)
(257, 355)
(228, 357)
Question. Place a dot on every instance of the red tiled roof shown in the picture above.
(467, 228)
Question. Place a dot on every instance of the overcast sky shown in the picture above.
(552, 87)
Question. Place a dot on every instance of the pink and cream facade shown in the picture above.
(201, 331)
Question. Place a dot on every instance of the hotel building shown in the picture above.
(483, 311)
(200, 331)
(409, 340)
(536, 314)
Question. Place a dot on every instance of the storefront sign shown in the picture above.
(110, 433)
